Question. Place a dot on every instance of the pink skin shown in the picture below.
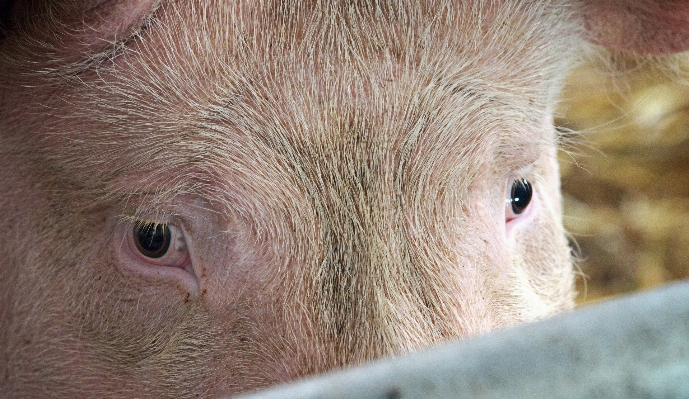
(335, 180)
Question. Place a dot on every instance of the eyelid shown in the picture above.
(176, 265)
(524, 171)
(139, 215)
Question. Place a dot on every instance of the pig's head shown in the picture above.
(205, 197)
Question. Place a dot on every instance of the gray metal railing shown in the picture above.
(632, 347)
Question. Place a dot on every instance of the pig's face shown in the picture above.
(204, 197)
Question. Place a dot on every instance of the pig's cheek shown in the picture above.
(179, 270)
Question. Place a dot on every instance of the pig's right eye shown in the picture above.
(159, 244)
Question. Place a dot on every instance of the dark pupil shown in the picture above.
(152, 239)
(521, 195)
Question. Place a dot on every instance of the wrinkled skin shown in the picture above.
(334, 178)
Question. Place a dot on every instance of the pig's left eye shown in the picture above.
(159, 244)
(520, 194)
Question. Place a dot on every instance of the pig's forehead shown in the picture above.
(502, 42)
(306, 59)
(213, 51)
(226, 86)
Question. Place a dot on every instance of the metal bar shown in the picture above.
(632, 347)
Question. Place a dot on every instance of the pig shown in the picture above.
(206, 197)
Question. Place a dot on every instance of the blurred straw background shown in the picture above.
(625, 178)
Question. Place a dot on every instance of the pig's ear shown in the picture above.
(84, 22)
(638, 26)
